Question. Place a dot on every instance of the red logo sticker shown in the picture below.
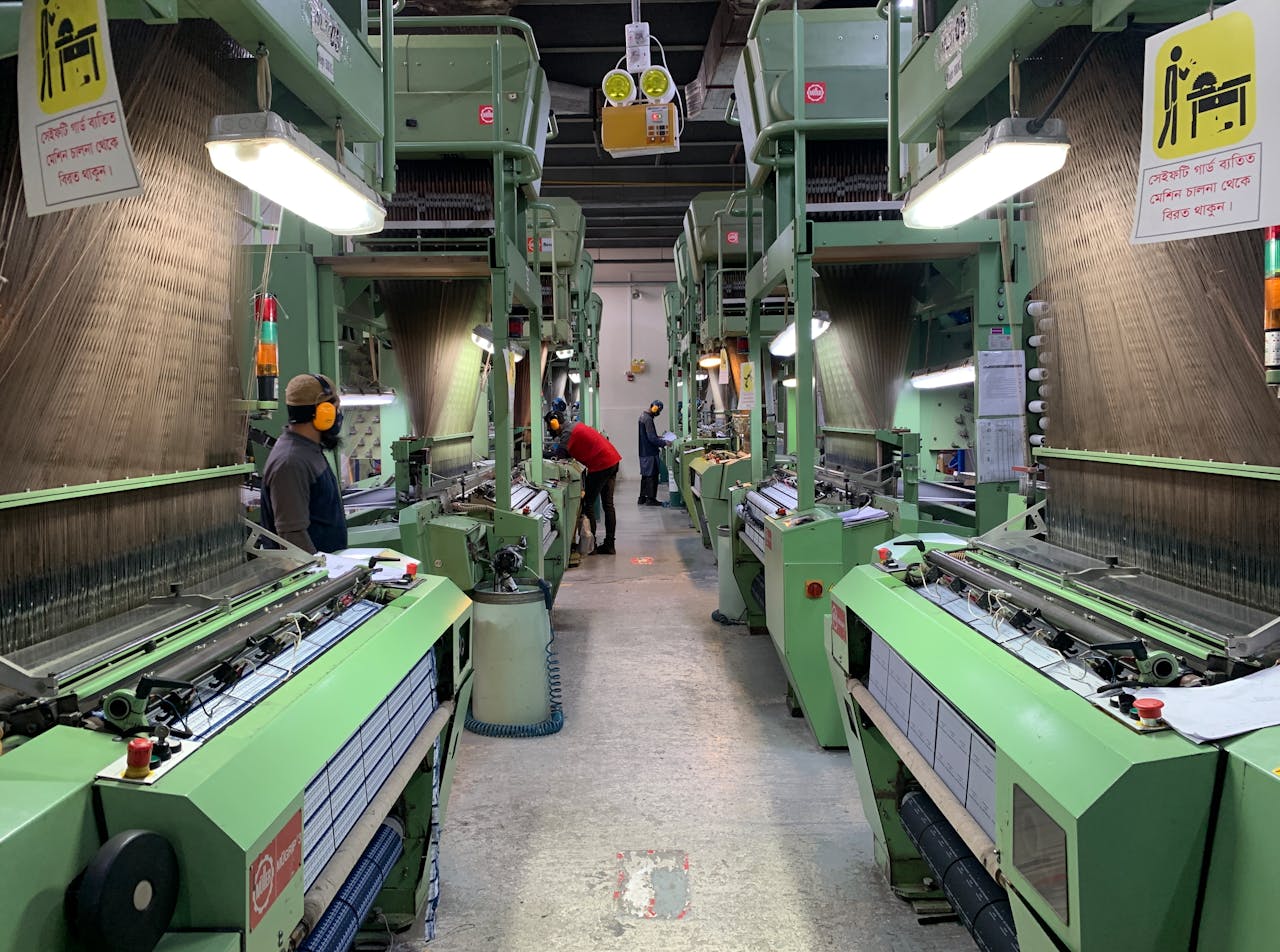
(274, 868)
(839, 621)
(486, 115)
(815, 92)
(731, 237)
(531, 242)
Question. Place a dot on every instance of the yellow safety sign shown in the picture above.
(70, 62)
(1205, 84)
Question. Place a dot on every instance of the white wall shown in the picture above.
(631, 327)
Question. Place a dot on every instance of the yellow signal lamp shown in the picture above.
(619, 87)
(657, 85)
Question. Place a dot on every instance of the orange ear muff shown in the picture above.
(654, 408)
(554, 424)
(326, 416)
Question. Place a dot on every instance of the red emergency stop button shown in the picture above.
(883, 553)
(138, 758)
(813, 588)
(1149, 710)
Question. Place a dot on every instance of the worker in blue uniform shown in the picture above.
(651, 445)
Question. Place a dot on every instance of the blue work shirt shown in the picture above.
(300, 494)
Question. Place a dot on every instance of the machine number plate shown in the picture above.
(274, 869)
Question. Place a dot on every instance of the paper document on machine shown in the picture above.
(1001, 446)
(862, 514)
(1222, 710)
(1000, 382)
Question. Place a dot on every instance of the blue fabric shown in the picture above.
(648, 466)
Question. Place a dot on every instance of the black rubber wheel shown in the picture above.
(124, 899)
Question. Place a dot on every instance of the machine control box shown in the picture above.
(640, 129)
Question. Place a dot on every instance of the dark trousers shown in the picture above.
(600, 486)
(649, 472)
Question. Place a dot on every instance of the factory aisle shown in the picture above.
(676, 740)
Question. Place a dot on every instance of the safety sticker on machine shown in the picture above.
(652, 884)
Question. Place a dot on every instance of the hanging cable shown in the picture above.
(1036, 124)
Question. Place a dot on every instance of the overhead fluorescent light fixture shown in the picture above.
(700, 376)
(271, 157)
(709, 360)
(1004, 161)
(575, 377)
(482, 337)
(367, 399)
(784, 345)
(955, 376)
(564, 353)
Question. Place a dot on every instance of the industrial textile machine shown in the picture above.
(810, 98)
(1061, 720)
(485, 290)
(251, 763)
(450, 524)
(1003, 682)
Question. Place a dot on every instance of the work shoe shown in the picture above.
(606, 549)
(642, 501)
(652, 502)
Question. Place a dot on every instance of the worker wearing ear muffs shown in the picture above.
(651, 445)
(301, 501)
(594, 451)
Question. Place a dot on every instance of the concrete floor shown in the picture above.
(676, 738)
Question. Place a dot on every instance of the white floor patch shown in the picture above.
(653, 884)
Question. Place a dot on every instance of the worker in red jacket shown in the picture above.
(590, 448)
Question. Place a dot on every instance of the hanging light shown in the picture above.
(619, 87)
(368, 399)
(657, 85)
(575, 377)
(564, 353)
(482, 337)
(791, 383)
(271, 157)
(1002, 162)
(709, 360)
(700, 376)
(954, 376)
(784, 345)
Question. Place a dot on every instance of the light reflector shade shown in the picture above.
(619, 87)
(784, 345)
(271, 157)
(575, 377)
(564, 353)
(709, 360)
(946, 377)
(999, 164)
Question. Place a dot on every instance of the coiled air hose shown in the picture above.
(555, 721)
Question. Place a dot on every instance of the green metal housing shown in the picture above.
(1099, 781)
(223, 804)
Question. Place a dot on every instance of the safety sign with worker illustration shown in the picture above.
(1209, 137)
(74, 143)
